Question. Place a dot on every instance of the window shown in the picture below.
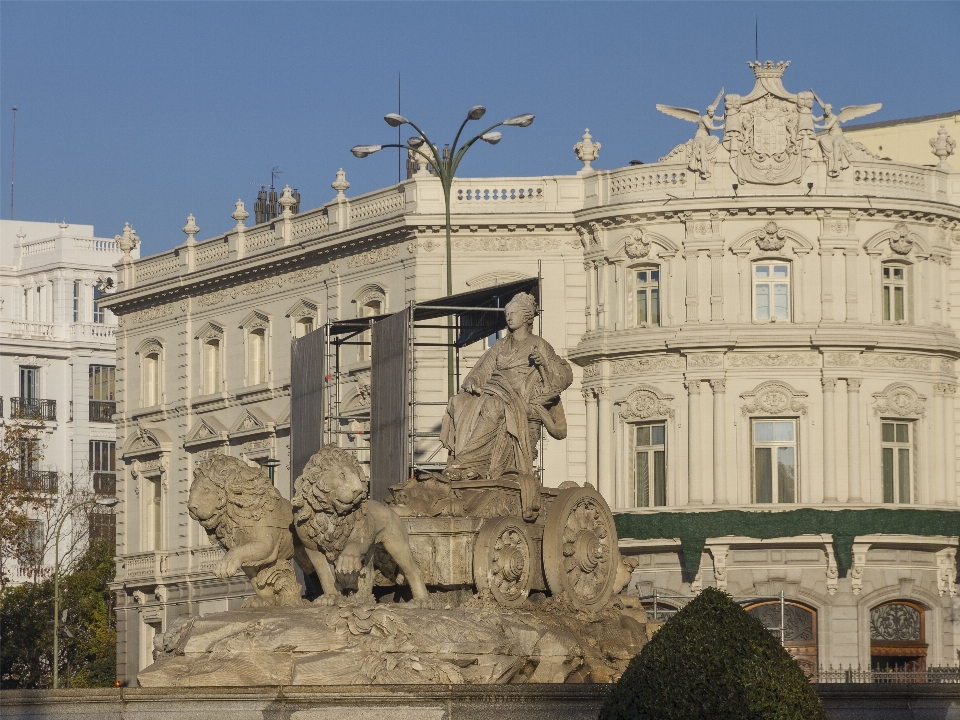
(648, 297)
(771, 291)
(98, 312)
(257, 357)
(154, 515)
(774, 461)
(894, 293)
(150, 369)
(303, 326)
(651, 465)
(895, 460)
(76, 301)
(35, 538)
(795, 626)
(102, 385)
(371, 308)
(103, 466)
(29, 382)
(897, 637)
(211, 366)
(29, 455)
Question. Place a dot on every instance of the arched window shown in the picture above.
(303, 326)
(895, 292)
(257, 356)
(211, 366)
(897, 631)
(795, 625)
(370, 308)
(151, 379)
(771, 291)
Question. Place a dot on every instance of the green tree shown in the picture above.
(713, 661)
(88, 658)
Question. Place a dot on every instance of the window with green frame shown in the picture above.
(650, 457)
(896, 443)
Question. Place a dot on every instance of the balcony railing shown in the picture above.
(102, 410)
(33, 409)
(948, 674)
(40, 481)
(105, 483)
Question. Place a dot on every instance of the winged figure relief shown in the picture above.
(703, 147)
(836, 148)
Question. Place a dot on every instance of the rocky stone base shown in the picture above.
(478, 643)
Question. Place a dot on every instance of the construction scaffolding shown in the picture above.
(404, 437)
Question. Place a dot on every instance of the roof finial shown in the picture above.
(340, 184)
(587, 151)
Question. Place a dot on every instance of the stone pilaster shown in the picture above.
(854, 491)
(719, 442)
(694, 473)
(605, 449)
(590, 397)
(829, 441)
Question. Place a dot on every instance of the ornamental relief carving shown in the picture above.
(506, 244)
(773, 398)
(591, 371)
(743, 360)
(704, 361)
(636, 245)
(645, 402)
(370, 257)
(771, 237)
(901, 400)
(840, 359)
(154, 313)
(895, 622)
(898, 362)
(902, 241)
(646, 364)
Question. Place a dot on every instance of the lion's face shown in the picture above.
(330, 491)
(205, 502)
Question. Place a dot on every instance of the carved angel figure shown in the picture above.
(492, 425)
(835, 147)
(733, 127)
(702, 148)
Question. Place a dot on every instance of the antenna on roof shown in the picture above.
(756, 37)
(13, 158)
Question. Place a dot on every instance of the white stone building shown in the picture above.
(58, 351)
(764, 333)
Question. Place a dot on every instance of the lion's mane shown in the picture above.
(312, 489)
(243, 493)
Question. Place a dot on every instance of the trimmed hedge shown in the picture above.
(713, 661)
(693, 528)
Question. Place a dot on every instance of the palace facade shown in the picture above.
(764, 331)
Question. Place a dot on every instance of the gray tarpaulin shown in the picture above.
(306, 400)
(389, 449)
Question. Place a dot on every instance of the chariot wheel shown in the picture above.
(580, 548)
(502, 561)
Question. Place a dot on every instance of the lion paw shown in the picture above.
(327, 600)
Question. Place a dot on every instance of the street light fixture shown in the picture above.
(445, 167)
(270, 464)
(103, 502)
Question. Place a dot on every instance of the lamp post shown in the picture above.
(105, 502)
(270, 464)
(446, 167)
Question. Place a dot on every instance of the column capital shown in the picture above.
(718, 386)
(692, 386)
(945, 388)
(589, 393)
(853, 384)
(829, 384)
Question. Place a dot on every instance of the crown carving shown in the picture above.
(768, 69)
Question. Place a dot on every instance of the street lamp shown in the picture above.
(104, 502)
(270, 464)
(446, 168)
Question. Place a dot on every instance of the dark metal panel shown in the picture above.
(389, 450)
(306, 400)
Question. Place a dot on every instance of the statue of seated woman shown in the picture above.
(492, 426)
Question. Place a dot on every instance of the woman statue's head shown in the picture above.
(525, 305)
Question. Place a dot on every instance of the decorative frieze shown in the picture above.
(703, 361)
(752, 360)
(154, 313)
(591, 371)
(655, 363)
(505, 244)
(840, 359)
(897, 362)
(371, 257)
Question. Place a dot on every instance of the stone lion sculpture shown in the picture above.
(245, 514)
(342, 530)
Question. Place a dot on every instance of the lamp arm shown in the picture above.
(466, 146)
(436, 162)
(457, 138)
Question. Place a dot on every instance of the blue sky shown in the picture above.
(145, 112)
